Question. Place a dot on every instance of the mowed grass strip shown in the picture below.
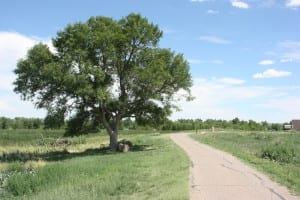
(159, 171)
(276, 154)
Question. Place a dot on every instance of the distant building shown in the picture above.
(296, 125)
(287, 127)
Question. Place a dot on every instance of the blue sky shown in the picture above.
(244, 55)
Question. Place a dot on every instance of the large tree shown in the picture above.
(104, 70)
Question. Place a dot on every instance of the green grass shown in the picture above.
(25, 137)
(156, 170)
(276, 154)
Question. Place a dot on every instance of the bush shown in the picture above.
(31, 181)
(22, 183)
(18, 156)
(278, 153)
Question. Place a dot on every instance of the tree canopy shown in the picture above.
(104, 70)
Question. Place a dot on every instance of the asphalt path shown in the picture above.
(217, 175)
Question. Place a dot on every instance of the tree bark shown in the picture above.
(113, 141)
(111, 128)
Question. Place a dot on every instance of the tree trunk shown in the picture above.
(111, 128)
(113, 141)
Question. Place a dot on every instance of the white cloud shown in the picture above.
(14, 46)
(285, 60)
(11, 106)
(168, 30)
(288, 105)
(212, 12)
(290, 44)
(272, 73)
(291, 51)
(267, 3)
(218, 90)
(7, 79)
(215, 99)
(231, 81)
(266, 62)
(5, 107)
(218, 62)
(214, 39)
(292, 3)
(290, 57)
(239, 4)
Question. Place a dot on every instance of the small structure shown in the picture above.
(296, 124)
(287, 127)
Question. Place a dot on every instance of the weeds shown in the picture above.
(19, 156)
(43, 169)
(10, 181)
(278, 153)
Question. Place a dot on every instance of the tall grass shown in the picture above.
(22, 137)
(157, 170)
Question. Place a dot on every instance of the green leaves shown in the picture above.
(33, 72)
(108, 69)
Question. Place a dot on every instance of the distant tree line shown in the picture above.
(21, 123)
(177, 125)
(236, 123)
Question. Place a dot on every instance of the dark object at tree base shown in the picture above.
(124, 146)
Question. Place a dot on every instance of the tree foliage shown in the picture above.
(20, 123)
(236, 123)
(106, 70)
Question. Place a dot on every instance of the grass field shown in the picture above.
(41, 164)
(276, 154)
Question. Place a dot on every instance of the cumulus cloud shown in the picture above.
(272, 73)
(214, 39)
(11, 106)
(288, 105)
(14, 46)
(219, 90)
(218, 98)
(239, 4)
(292, 3)
(266, 62)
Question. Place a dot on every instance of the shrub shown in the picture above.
(22, 183)
(278, 153)
(18, 156)
(31, 181)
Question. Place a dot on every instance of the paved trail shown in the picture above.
(216, 175)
